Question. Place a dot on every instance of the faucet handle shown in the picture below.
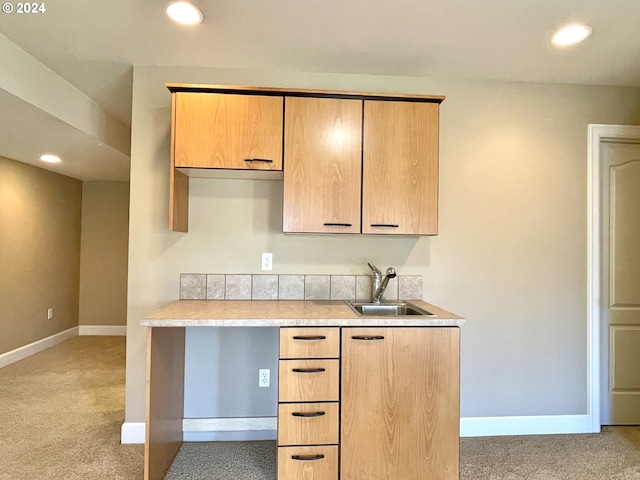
(375, 270)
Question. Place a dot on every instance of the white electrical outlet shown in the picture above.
(49, 313)
(267, 261)
(264, 377)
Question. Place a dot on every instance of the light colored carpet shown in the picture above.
(61, 412)
(613, 454)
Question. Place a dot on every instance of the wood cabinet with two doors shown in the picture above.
(375, 403)
(351, 162)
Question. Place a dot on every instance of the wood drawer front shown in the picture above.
(308, 423)
(316, 463)
(310, 342)
(309, 380)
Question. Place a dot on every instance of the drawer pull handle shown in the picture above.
(310, 337)
(307, 457)
(367, 337)
(338, 224)
(309, 370)
(388, 225)
(308, 414)
(266, 160)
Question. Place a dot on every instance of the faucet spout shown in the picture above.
(380, 285)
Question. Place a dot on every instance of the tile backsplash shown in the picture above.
(202, 286)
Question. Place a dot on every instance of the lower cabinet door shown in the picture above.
(308, 463)
(400, 413)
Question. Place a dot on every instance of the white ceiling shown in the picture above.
(93, 45)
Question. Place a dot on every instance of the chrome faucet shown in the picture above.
(380, 284)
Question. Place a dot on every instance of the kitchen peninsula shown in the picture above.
(373, 397)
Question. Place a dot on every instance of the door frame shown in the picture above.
(597, 134)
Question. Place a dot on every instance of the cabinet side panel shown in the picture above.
(400, 404)
(400, 164)
(323, 165)
(178, 184)
(165, 399)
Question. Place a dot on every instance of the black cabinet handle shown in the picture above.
(307, 457)
(338, 224)
(308, 370)
(367, 337)
(266, 160)
(388, 225)
(309, 337)
(308, 414)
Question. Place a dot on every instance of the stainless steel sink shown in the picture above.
(388, 309)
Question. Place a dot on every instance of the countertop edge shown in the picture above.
(279, 313)
(305, 322)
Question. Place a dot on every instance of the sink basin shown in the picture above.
(388, 309)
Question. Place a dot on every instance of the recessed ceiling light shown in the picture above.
(50, 158)
(184, 13)
(571, 35)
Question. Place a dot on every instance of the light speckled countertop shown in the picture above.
(285, 313)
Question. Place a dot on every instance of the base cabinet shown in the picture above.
(398, 414)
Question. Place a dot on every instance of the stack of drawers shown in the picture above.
(308, 408)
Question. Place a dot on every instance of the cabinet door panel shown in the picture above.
(224, 130)
(400, 404)
(323, 165)
(400, 162)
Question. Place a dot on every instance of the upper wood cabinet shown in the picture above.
(216, 130)
(352, 172)
(353, 162)
(323, 168)
(400, 165)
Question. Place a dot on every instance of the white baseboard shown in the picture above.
(104, 330)
(534, 425)
(229, 429)
(264, 428)
(211, 429)
(132, 432)
(35, 347)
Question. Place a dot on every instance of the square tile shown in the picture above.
(264, 287)
(317, 287)
(410, 287)
(215, 287)
(291, 287)
(238, 287)
(364, 285)
(343, 287)
(193, 286)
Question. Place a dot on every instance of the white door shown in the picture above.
(620, 281)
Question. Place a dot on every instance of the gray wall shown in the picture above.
(40, 214)
(511, 255)
(103, 253)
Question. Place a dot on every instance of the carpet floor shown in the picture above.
(61, 411)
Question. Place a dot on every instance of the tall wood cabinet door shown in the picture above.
(228, 131)
(400, 161)
(323, 165)
(400, 403)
